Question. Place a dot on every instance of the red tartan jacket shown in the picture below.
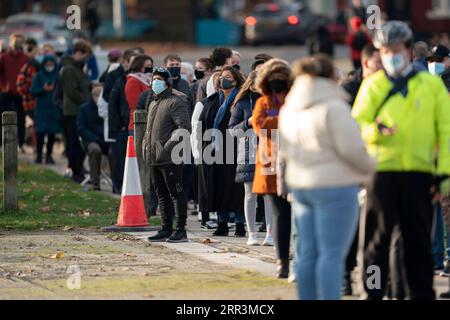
(24, 81)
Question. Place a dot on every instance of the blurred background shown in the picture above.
(210, 22)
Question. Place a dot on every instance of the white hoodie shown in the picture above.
(320, 140)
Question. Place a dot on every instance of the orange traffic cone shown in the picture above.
(132, 216)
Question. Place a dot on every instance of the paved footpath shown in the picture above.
(227, 251)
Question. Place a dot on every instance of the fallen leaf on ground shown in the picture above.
(58, 255)
(145, 274)
(78, 238)
(207, 241)
(67, 228)
(44, 209)
(30, 244)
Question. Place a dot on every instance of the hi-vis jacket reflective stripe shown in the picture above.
(422, 119)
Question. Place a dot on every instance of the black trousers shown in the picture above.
(281, 226)
(168, 184)
(40, 140)
(75, 153)
(10, 102)
(119, 152)
(401, 199)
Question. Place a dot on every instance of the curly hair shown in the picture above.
(275, 69)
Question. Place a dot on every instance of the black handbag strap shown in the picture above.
(398, 87)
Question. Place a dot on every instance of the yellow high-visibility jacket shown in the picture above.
(422, 119)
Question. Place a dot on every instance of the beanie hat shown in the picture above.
(165, 74)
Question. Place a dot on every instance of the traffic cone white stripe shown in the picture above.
(132, 183)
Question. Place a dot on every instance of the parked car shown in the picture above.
(279, 23)
(45, 28)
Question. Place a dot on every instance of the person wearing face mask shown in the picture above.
(240, 126)
(11, 63)
(173, 63)
(47, 114)
(139, 80)
(439, 63)
(403, 115)
(26, 75)
(274, 81)
(187, 72)
(75, 87)
(168, 113)
(221, 57)
(202, 69)
(217, 189)
(91, 131)
(118, 116)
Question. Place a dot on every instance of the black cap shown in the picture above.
(439, 53)
(163, 73)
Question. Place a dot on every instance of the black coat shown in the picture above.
(110, 80)
(352, 85)
(245, 170)
(90, 125)
(118, 109)
(218, 191)
(167, 113)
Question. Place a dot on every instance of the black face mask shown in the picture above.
(148, 70)
(278, 86)
(226, 84)
(199, 74)
(237, 67)
(174, 71)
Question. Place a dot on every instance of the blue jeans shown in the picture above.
(225, 217)
(439, 238)
(326, 222)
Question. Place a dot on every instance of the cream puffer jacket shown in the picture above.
(319, 139)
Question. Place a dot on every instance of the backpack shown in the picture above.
(360, 41)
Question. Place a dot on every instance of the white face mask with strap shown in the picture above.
(395, 64)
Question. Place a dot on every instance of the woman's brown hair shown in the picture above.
(319, 65)
(275, 69)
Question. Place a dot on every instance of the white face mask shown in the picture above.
(394, 64)
(436, 68)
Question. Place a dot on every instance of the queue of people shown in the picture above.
(339, 166)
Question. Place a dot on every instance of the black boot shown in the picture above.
(178, 236)
(240, 230)
(283, 269)
(222, 230)
(161, 236)
(49, 160)
(348, 290)
(445, 295)
(38, 159)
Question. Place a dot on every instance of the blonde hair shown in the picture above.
(246, 87)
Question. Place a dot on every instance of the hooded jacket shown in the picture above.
(75, 86)
(167, 113)
(320, 140)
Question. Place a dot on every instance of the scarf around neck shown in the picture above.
(224, 106)
(145, 78)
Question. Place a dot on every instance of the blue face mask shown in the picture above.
(39, 58)
(436, 68)
(158, 86)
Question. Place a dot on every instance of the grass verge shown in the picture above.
(49, 201)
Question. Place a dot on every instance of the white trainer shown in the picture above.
(252, 239)
(268, 241)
